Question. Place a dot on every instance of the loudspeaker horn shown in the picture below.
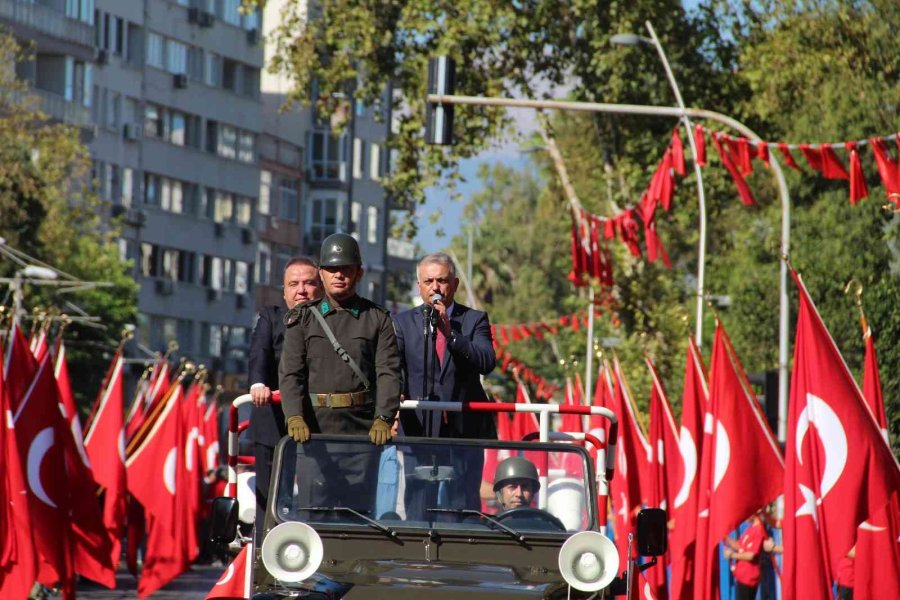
(588, 561)
(292, 552)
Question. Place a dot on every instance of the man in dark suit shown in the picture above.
(301, 284)
(459, 351)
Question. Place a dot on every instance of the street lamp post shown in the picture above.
(630, 39)
(700, 113)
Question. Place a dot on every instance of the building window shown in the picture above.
(231, 12)
(155, 50)
(149, 260)
(263, 263)
(243, 210)
(375, 166)
(186, 266)
(127, 186)
(358, 153)
(230, 70)
(195, 63)
(246, 147)
(212, 73)
(265, 193)
(151, 189)
(355, 216)
(223, 211)
(176, 128)
(288, 198)
(176, 57)
(327, 157)
(153, 124)
(241, 272)
(227, 141)
(372, 225)
(324, 219)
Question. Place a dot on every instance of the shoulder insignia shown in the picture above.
(324, 307)
(292, 316)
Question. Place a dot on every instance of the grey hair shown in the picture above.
(437, 258)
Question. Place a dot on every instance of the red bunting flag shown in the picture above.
(762, 152)
(700, 143)
(694, 408)
(788, 157)
(677, 153)
(858, 188)
(235, 582)
(741, 470)
(888, 169)
(839, 468)
(831, 164)
(743, 189)
(813, 157)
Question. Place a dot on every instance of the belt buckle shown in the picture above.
(328, 400)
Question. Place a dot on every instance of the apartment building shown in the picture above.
(216, 187)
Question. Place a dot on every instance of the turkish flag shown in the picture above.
(742, 469)
(871, 385)
(64, 386)
(571, 423)
(19, 368)
(694, 407)
(236, 580)
(211, 443)
(877, 562)
(666, 468)
(603, 397)
(105, 445)
(632, 465)
(40, 346)
(18, 568)
(40, 434)
(839, 468)
(157, 391)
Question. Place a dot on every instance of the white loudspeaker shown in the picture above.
(588, 561)
(292, 552)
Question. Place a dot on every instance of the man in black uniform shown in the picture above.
(301, 284)
(325, 392)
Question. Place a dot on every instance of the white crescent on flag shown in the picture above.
(688, 450)
(723, 453)
(169, 470)
(40, 445)
(831, 432)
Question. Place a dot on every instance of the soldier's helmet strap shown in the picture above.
(340, 349)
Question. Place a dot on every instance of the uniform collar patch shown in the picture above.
(324, 307)
(354, 309)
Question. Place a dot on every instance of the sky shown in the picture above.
(437, 200)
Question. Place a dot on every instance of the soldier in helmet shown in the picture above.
(350, 384)
(515, 483)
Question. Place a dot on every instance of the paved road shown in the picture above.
(191, 585)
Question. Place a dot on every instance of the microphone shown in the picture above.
(437, 298)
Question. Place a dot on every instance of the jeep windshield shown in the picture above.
(434, 484)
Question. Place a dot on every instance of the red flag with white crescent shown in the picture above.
(694, 407)
(742, 469)
(872, 385)
(632, 459)
(234, 584)
(19, 367)
(665, 465)
(105, 445)
(40, 431)
(18, 568)
(839, 472)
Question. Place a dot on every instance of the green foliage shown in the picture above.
(48, 211)
(797, 71)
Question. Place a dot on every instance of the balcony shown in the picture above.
(48, 21)
(58, 108)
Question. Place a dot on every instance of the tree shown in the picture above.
(49, 211)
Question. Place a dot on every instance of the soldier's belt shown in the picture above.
(339, 400)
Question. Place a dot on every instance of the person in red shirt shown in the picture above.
(846, 575)
(745, 553)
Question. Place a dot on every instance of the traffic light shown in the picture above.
(439, 117)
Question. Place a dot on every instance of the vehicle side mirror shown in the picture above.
(651, 532)
(223, 521)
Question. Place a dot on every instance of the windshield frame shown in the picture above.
(363, 529)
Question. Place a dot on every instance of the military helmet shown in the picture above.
(515, 467)
(339, 250)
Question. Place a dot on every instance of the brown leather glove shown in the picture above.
(298, 429)
(380, 434)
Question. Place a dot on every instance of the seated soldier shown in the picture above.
(515, 483)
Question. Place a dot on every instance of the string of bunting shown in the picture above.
(590, 254)
(508, 363)
(504, 334)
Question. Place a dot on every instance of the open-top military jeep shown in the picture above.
(423, 518)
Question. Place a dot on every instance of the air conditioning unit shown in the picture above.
(132, 131)
(205, 19)
(101, 56)
(240, 301)
(247, 235)
(213, 295)
(193, 14)
(135, 217)
(219, 229)
(165, 287)
(180, 80)
(253, 36)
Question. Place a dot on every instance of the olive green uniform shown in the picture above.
(310, 365)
